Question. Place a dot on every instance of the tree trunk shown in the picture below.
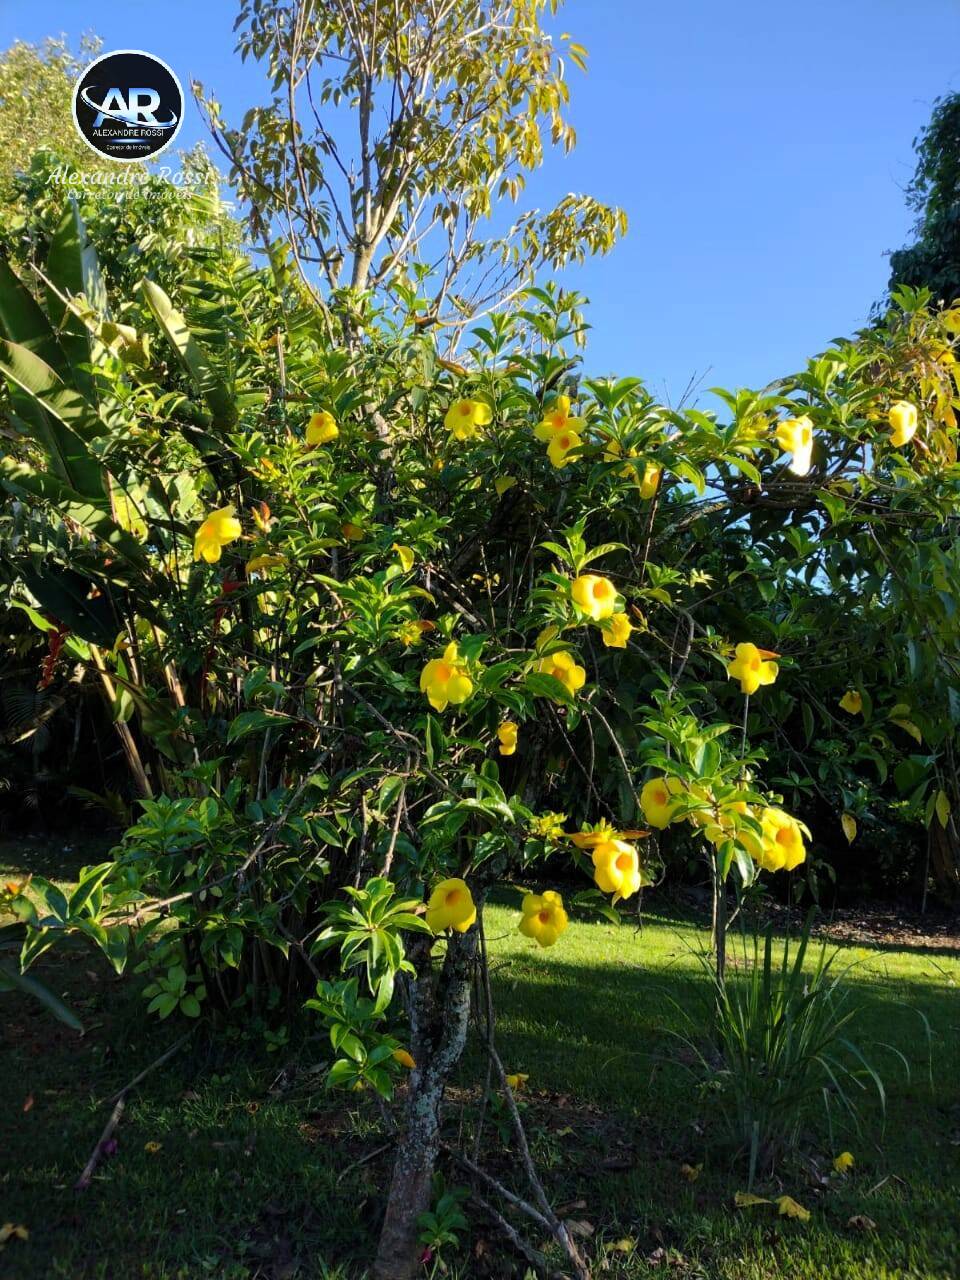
(439, 1017)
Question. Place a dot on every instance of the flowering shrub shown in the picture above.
(363, 636)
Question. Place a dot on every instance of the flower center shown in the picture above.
(624, 862)
(544, 917)
(453, 897)
(784, 836)
(601, 590)
(465, 408)
(660, 797)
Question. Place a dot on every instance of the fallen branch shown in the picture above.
(119, 1102)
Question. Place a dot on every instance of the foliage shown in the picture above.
(36, 85)
(780, 1041)
(931, 262)
(451, 104)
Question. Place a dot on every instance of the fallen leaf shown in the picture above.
(744, 1199)
(790, 1209)
(626, 1245)
(691, 1171)
(861, 1222)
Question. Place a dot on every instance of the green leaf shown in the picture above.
(11, 980)
(248, 722)
(193, 357)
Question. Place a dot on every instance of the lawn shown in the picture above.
(233, 1161)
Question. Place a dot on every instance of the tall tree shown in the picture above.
(933, 260)
(394, 132)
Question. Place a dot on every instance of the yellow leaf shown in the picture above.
(744, 1199)
(691, 1171)
(849, 824)
(909, 727)
(790, 1209)
(625, 1245)
(943, 807)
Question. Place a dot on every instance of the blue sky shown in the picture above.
(760, 150)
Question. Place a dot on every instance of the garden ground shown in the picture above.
(233, 1161)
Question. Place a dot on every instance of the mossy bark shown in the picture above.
(440, 1010)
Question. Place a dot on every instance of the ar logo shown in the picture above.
(138, 107)
(128, 105)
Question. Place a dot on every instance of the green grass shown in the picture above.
(253, 1176)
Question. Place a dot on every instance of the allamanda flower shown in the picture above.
(651, 480)
(451, 906)
(903, 423)
(783, 847)
(795, 436)
(752, 667)
(596, 596)
(557, 418)
(617, 631)
(658, 800)
(543, 917)
(220, 528)
(617, 868)
(844, 1162)
(562, 443)
(852, 701)
(445, 680)
(464, 418)
(322, 428)
(507, 733)
(564, 668)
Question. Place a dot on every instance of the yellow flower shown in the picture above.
(503, 483)
(517, 1081)
(543, 917)
(549, 826)
(691, 1171)
(507, 733)
(561, 443)
(903, 423)
(658, 801)
(352, 532)
(790, 1209)
(596, 596)
(152, 1147)
(446, 680)
(783, 847)
(752, 668)
(404, 1058)
(557, 419)
(795, 436)
(563, 668)
(220, 528)
(617, 631)
(322, 428)
(614, 452)
(852, 701)
(651, 480)
(843, 1162)
(617, 868)
(451, 906)
(464, 418)
(13, 1231)
(404, 555)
